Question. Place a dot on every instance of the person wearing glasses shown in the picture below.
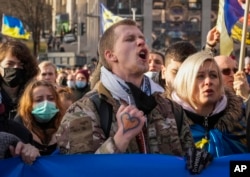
(228, 67)
(141, 121)
(232, 78)
(215, 113)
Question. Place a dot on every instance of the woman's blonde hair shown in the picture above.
(184, 83)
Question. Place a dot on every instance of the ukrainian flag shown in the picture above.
(107, 18)
(13, 27)
(229, 23)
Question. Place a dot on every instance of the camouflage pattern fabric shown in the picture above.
(80, 130)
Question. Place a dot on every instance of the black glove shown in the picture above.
(197, 160)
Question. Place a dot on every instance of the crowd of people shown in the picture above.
(184, 102)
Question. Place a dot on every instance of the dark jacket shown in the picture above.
(8, 107)
(247, 111)
(230, 125)
(10, 126)
(79, 93)
(45, 149)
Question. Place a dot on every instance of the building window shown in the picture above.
(123, 7)
(194, 4)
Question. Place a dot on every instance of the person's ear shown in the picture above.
(1, 71)
(110, 56)
(163, 71)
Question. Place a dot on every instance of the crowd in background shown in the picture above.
(171, 103)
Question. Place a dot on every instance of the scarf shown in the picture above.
(119, 89)
(220, 105)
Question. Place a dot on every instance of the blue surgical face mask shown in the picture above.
(71, 84)
(44, 111)
(81, 84)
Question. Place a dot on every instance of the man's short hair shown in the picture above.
(108, 39)
(46, 64)
(179, 51)
(158, 53)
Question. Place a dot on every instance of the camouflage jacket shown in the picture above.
(81, 132)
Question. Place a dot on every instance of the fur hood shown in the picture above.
(234, 105)
(229, 119)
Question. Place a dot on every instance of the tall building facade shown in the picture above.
(162, 21)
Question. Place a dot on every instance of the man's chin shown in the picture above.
(229, 86)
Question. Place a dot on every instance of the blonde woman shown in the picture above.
(215, 115)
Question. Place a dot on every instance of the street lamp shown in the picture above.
(134, 11)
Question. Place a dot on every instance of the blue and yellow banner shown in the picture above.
(13, 27)
(107, 18)
(230, 23)
(233, 12)
(115, 165)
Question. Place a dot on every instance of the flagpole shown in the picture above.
(243, 37)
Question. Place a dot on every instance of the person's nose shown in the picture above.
(17, 65)
(151, 63)
(208, 80)
(231, 73)
(141, 42)
(47, 76)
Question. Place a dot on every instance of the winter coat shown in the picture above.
(226, 130)
(81, 132)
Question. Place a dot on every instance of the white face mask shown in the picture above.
(71, 84)
(150, 74)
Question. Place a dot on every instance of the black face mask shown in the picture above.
(63, 82)
(13, 76)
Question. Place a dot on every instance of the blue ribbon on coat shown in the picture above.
(219, 143)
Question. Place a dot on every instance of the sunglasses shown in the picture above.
(227, 71)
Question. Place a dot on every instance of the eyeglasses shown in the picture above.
(227, 71)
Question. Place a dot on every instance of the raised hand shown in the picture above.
(213, 37)
(130, 122)
(241, 86)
